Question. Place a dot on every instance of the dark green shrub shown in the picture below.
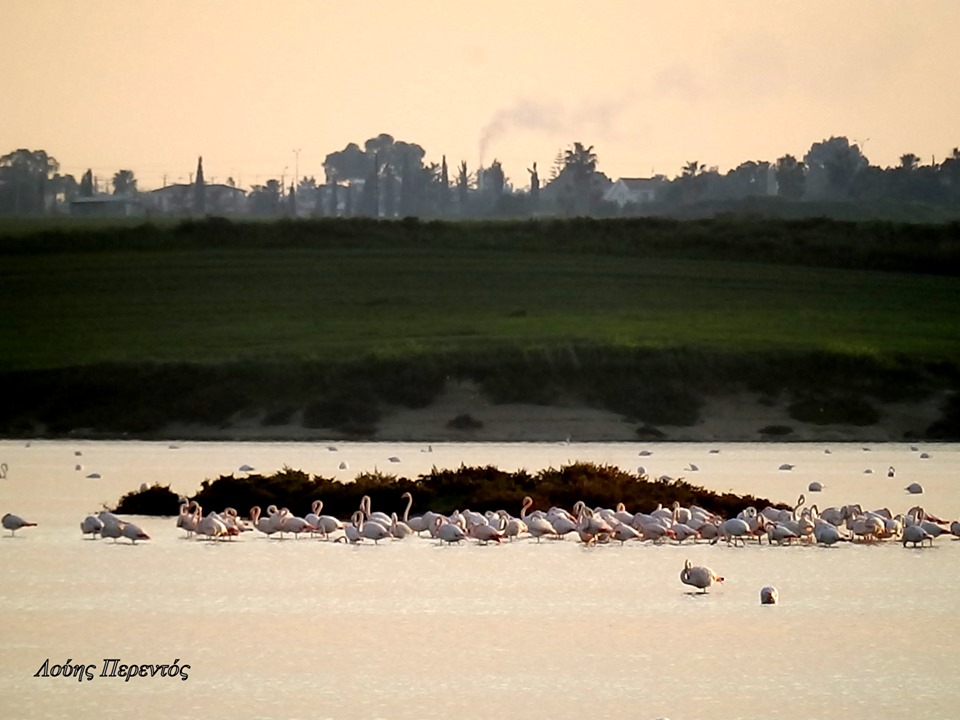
(465, 422)
(834, 410)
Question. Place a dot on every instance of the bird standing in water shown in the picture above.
(699, 576)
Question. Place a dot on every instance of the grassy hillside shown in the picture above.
(102, 323)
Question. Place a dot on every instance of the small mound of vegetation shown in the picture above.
(465, 422)
(443, 491)
(948, 426)
(153, 500)
(352, 414)
(775, 430)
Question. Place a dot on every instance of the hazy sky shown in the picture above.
(149, 85)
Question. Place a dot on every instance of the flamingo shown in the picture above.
(325, 524)
(417, 523)
(351, 532)
(186, 519)
(682, 531)
(780, 533)
(511, 527)
(91, 525)
(826, 533)
(699, 576)
(624, 532)
(112, 530)
(562, 524)
(919, 516)
(234, 524)
(732, 530)
(373, 530)
(108, 518)
(448, 532)
(13, 523)
(537, 525)
(484, 533)
(268, 525)
(133, 532)
(769, 595)
(211, 526)
(399, 529)
(292, 524)
(377, 517)
(916, 534)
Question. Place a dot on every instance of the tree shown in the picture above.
(557, 166)
(831, 167)
(24, 175)
(493, 180)
(199, 191)
(86, 184)
(949, 170)
(408, 205)
(909, 162)
(692, 181)
(124, 183)
(748, 179)
(443, 202)
(791, 178)
(370, 200)
(534, 186)
(580, 165)
(581, 159)
(463, 186)
(264, 200)
(389, 193)
(352, 163)
(64, 187)
(334, 199)
(347, 164)
(292, 201)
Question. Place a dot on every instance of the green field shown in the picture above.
(322, 298)
(338, 303)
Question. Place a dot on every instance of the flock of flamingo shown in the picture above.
(801, 524)
(675, 524)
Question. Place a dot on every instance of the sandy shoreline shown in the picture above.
(738, 418)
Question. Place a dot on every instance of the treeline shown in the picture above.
(442, 491)
(391, 178)
(929, 248)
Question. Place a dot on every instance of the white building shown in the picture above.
(635, 191)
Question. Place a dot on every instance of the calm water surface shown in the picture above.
(307, 629)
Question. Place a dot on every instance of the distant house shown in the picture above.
(636, 191)
(106, 206)
(225, 199)
(178, 199)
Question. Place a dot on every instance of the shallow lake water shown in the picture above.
(306, 628)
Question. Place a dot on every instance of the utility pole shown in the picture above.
(296, 166)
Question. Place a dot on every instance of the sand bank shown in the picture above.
(729, 418)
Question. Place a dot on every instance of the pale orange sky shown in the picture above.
(149, 85)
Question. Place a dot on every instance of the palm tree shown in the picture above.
(582, 160)
(909, 162)
(124, 183)
(693, 168)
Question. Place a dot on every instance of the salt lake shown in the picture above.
(408, 629)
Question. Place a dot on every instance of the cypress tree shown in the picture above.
(199, 191)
